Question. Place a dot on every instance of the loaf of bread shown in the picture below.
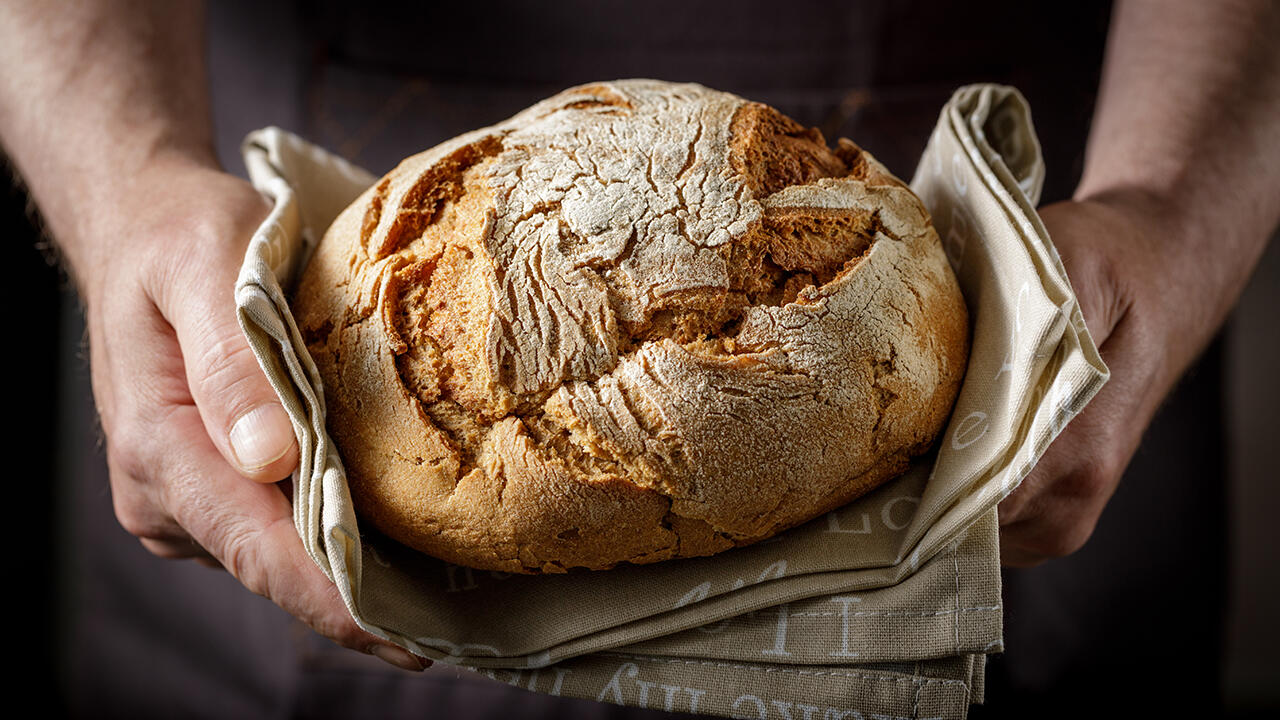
(637, 321)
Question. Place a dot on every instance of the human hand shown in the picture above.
(1121, 262)
(187, 413)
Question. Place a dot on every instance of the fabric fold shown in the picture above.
(885, 607)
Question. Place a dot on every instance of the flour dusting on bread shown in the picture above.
(637, 321)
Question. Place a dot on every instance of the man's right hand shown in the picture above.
(187, 413)
(104, 109)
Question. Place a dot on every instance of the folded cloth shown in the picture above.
(886, 607)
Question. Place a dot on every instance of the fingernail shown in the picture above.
(261, 436)
(399, 657)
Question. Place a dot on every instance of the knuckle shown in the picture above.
(182, 491)
(227, 364)
(138, 495)
(1017, 556)
(343, 631)
(1066, 540)
(241, 557)
(126, 450)
(167, 550)
(1096, 477)
(129, 517)
(1058, 546)
(137, 517)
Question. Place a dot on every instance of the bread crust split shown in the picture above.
(637, 321)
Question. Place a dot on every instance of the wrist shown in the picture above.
(86, 188)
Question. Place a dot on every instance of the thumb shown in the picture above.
(241, 411)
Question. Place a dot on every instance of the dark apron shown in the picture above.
(380, 81)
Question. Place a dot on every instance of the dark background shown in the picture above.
(33, 293)
(44, 335)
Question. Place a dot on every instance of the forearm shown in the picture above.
(1180, 192)
(94, 96)
(1187, 131)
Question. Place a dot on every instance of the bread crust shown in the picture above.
(637, 321)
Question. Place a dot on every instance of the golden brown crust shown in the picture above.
(637, 321)
(770, 151)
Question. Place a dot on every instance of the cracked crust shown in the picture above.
(637, 321)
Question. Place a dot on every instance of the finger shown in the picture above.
(140, 513)
(1056, 508)
(1017, 557)
(248, 528)
(137, 507)
(178, 550)
(1074, 469)
(1053, 512)
(1056, 533)
(210, 563)
(139, 357)
(241, 412)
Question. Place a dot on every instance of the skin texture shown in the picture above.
(101, 116)
(104, 111)
(1180, 193)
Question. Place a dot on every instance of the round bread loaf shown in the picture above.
(637, 321)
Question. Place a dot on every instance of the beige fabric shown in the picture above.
(884, 607)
